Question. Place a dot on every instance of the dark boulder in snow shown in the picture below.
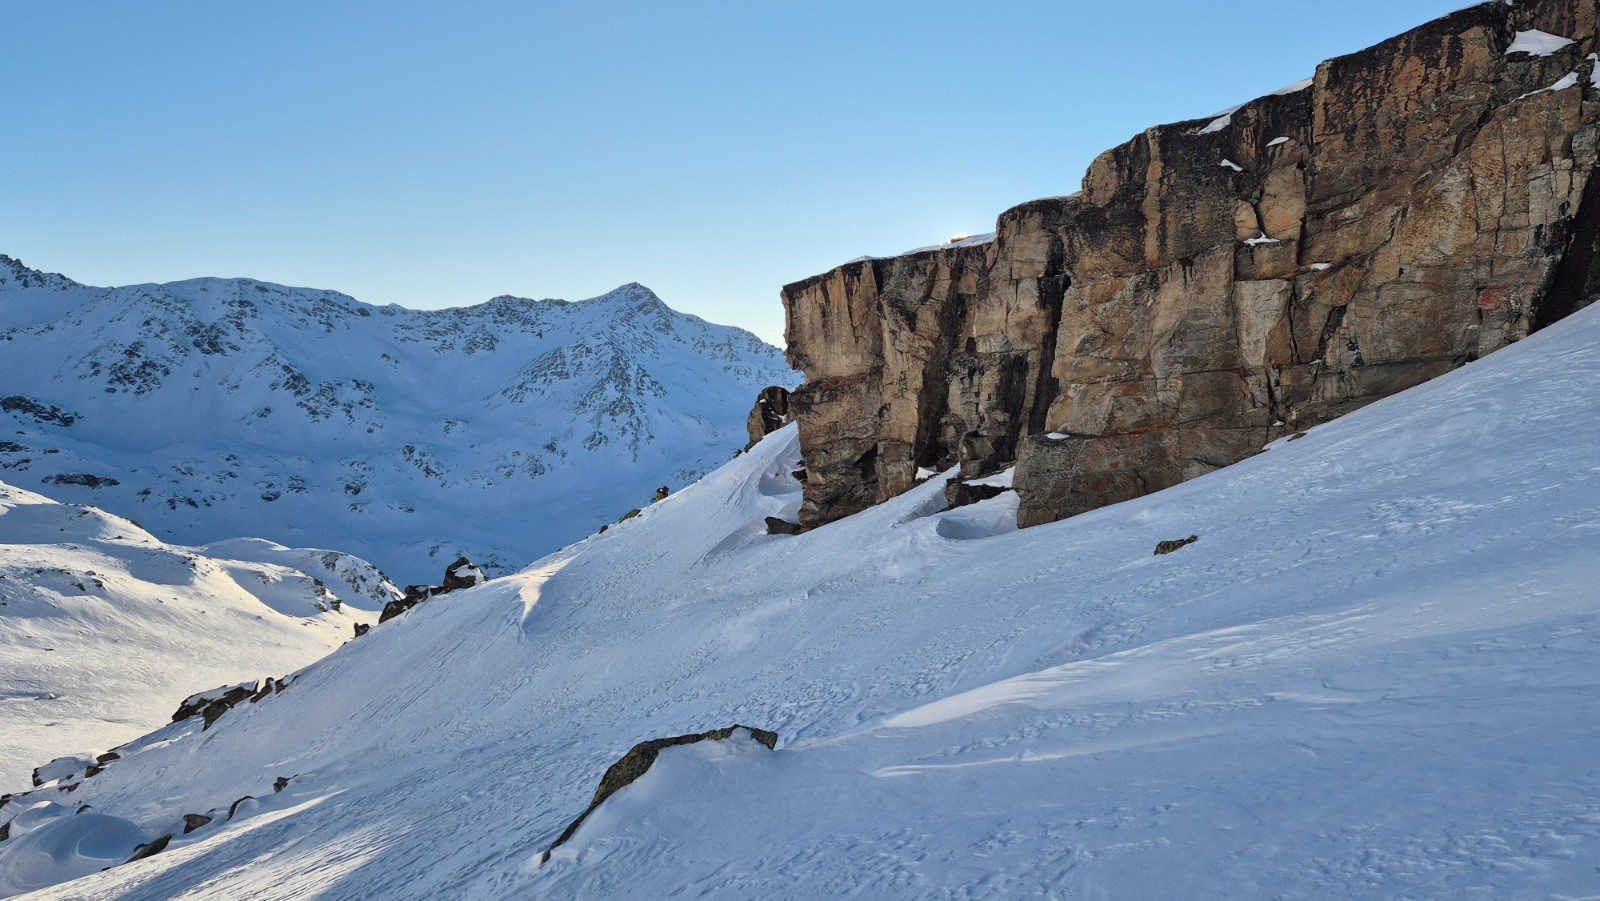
(150, 849)
(776, 526)
(461, 574)
(414, 595)
(458, 575)
(637, 762)
(770, 413)
(193, 821)
(1167, 547)
(227, 695)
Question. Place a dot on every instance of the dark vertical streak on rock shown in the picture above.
(1576, 278)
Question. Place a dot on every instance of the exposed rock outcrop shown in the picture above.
(639, 759)
(215, 702)
(461, 574)
(770, 413)
(1221, 282)
(458, 575)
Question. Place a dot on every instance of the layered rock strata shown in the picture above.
(1222, 281)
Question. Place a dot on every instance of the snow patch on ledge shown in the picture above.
(1569, 80)
(1537, 43)
(1222, 121)
(962, 241)
(1001, 479)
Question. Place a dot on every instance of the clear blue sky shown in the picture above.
(438, 154)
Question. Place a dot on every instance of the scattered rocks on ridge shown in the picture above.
(458, 575)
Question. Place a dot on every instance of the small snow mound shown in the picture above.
(66, 847)
(985, 519)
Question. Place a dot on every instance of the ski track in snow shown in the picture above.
(1372, 676)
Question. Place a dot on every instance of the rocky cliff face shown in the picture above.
(1222, 281)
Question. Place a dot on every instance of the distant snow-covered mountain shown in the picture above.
(104, 629)
(214, 408)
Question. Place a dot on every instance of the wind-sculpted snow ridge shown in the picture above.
(215, 408)
(104, 629)
(1371, 675)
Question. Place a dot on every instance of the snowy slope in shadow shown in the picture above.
(104, 629)
(1372, 675)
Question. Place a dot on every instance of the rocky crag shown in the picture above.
(1223, 281)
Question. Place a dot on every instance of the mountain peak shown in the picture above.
(634, 294)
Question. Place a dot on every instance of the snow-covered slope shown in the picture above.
(1372, 675)
(215, 408)
(104, 629)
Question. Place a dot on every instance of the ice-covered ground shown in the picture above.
(104, 629)
(1373, 675)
